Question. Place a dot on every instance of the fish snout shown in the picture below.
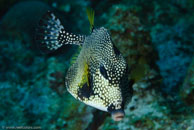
(117, 115)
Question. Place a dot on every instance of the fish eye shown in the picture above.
(103, 72)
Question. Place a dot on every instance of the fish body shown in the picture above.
(99, 76)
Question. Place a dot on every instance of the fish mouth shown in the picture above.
(117, 115)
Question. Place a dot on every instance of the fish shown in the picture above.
(99, 75)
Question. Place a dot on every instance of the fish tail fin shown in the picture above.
(90, 13)
(51, 35)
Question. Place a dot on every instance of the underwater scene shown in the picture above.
(97, 64)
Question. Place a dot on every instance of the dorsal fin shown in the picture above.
(90, 13)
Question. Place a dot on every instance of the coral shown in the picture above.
(33, 85)
(11, 111)
(175, 51)
(187, 89)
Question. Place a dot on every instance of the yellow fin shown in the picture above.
(84, 76)
(90, 13)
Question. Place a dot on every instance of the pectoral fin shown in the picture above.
(85, 87)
